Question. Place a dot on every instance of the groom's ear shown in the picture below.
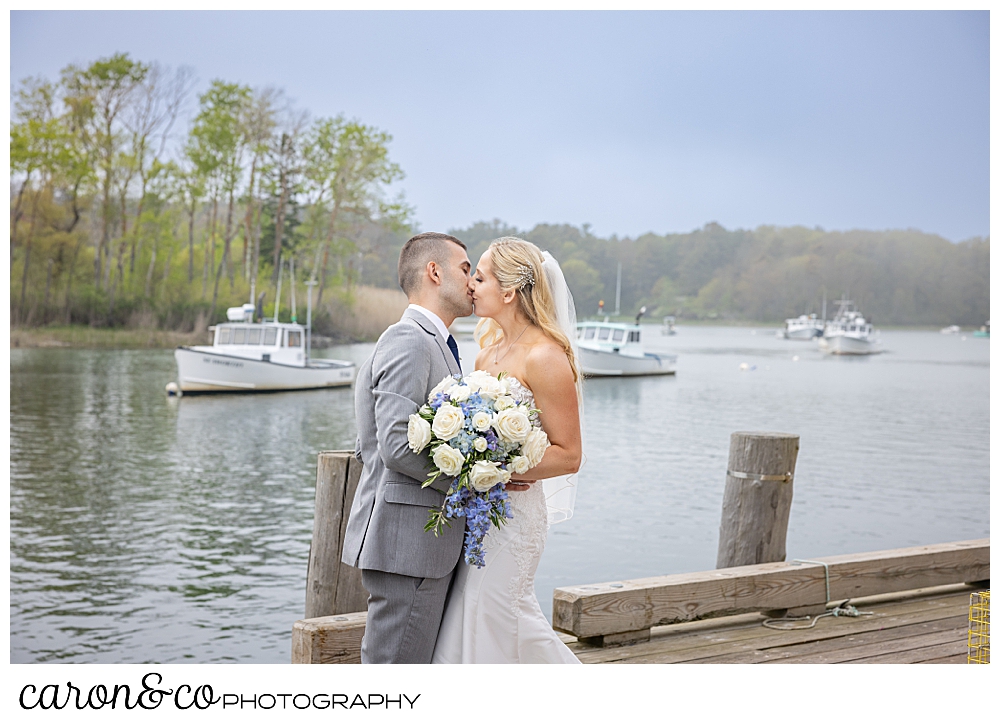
(433, 272)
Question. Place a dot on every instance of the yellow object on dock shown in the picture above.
(979, 627)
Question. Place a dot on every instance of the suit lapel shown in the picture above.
(425, 324)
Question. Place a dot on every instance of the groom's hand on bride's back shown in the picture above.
(519, 484)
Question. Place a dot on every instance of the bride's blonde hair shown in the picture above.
(517, 264)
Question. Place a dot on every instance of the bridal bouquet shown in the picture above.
(476, 432)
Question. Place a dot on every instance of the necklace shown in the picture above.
(496, 359)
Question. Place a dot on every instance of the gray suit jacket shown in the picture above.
(385, 530)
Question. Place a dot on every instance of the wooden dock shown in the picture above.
(926, 626)
(917, 598)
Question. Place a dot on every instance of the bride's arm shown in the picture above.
(550, 378)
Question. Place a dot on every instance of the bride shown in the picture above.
(527, 330)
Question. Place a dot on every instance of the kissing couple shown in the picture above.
(425, 604)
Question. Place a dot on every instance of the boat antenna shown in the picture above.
(309, 315)
(277, 297)
(642, 311)
(291, 270)
(618, 291)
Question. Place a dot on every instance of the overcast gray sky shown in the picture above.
(629, 121)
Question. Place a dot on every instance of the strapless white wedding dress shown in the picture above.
(492, 615)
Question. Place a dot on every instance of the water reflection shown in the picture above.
(151, 529)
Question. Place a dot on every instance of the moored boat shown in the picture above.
(668, 326)
(249, 356)
(803, 327)
(610, 349)
(849, 333)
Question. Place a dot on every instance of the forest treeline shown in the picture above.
(135, 203)
(767, 274)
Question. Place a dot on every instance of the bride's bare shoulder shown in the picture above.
(546, 364)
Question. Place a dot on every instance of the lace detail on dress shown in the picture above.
(531, 515)
(531, 518)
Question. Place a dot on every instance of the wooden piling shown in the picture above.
(333, 587)
(758, 498)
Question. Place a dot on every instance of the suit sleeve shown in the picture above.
(400, 371)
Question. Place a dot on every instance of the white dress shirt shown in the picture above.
(435, 319)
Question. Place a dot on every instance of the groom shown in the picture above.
(405, 570)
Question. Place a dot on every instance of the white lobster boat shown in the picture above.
(608, 349)
(849, 333)
(248, 356)
(803, 327)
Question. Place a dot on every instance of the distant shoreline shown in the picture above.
(84, 337)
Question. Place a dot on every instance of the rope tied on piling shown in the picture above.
(843, 609)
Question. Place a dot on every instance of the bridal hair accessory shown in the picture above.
(525, 277)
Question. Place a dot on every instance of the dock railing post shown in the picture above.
(333, 587)
(758, 498)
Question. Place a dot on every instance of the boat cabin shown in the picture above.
(267, 341)
(610, 337)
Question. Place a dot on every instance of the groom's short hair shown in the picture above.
(417, 252)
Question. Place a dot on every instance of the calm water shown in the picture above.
(147, 529)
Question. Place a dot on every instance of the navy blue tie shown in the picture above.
(453, 346)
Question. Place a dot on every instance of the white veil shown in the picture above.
(560, 492)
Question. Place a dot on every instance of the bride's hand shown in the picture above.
(519, 485)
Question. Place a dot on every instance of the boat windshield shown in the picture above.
(604, 333)
(589, 332)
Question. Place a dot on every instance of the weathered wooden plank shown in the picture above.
(632, 605)
(962, 658)
(755, 637)
(916, 656)
(748, 628)
(786, 651)
(329, 639)
(877, 649)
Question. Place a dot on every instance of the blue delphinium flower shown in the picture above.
(478, 509)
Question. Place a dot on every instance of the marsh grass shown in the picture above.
(359, 316)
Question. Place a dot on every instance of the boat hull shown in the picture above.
(595, 363)
(208, 372)
(801, 334)
(842, 344)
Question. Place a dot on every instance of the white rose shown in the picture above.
(480, 444)
(443, 386)
(534, 446)
(448, 460)
(504, 476)
(505, 386)
(489, 387)
(418, 433)
(482, 421)
(503, 402)
(484, 475)
(512, 425)
(460, 393)
(448, 421)
(520, 465)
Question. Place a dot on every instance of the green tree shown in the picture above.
(97, 97)
(347, 165)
